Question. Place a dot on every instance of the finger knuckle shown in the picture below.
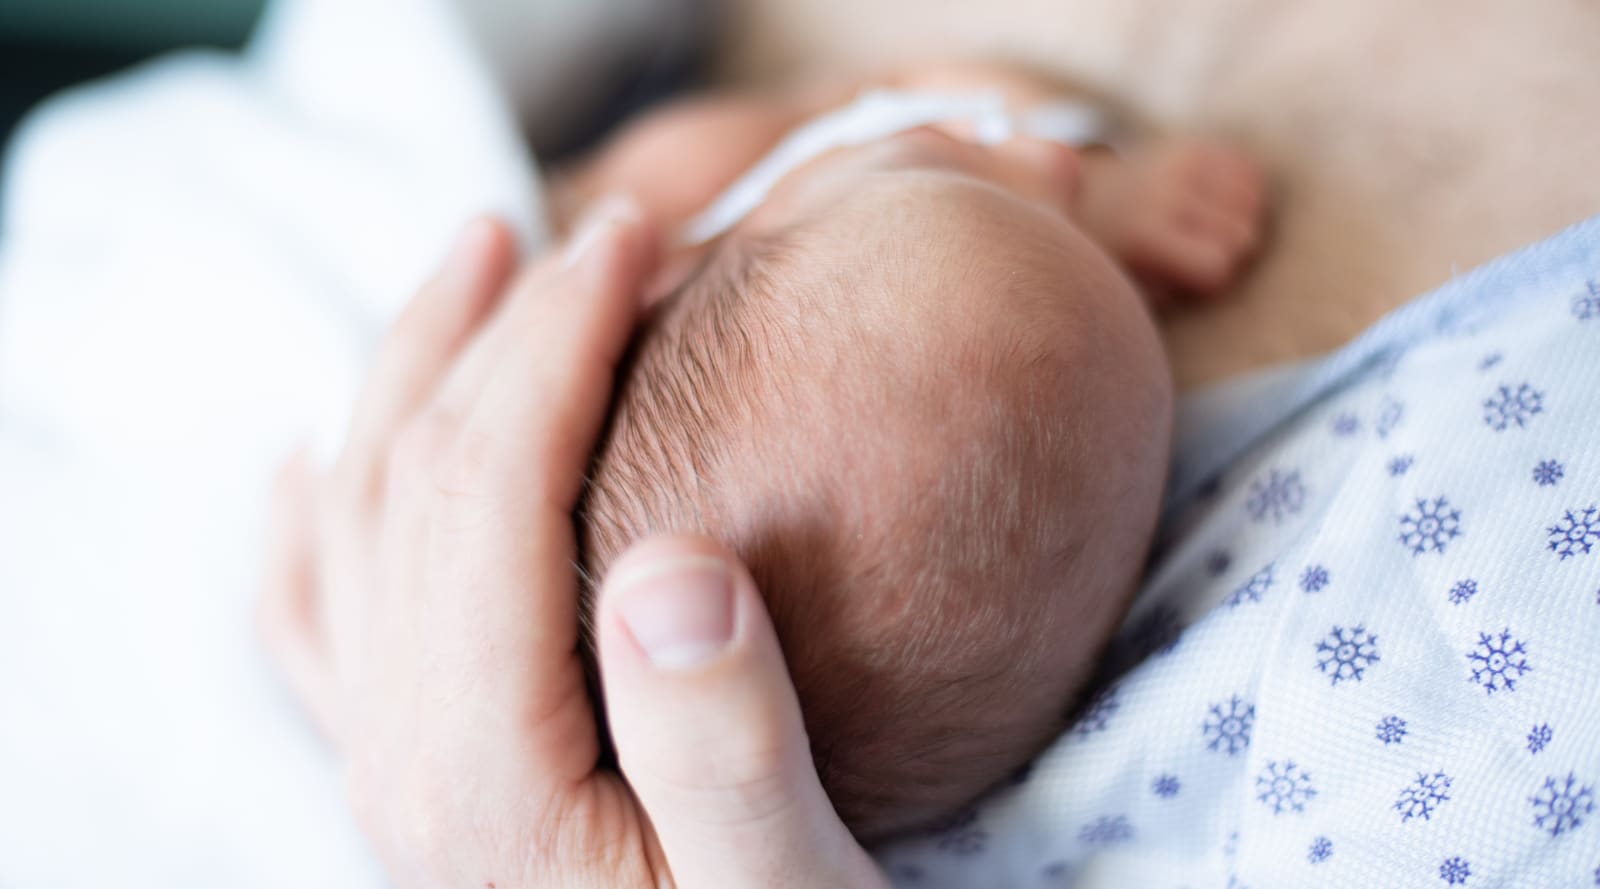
(747, 780)
(750, 797)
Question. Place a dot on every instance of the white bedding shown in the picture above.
(196, 259)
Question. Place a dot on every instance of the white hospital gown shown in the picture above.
(1368, 654)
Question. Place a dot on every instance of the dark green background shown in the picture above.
(49, 44)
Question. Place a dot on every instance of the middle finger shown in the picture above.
(424, 341)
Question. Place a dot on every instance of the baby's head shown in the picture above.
(932, 418)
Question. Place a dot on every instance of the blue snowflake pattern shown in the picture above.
(1539, 737)
(1455, 870)
(1278, 496)
(959, 833)
(1512, 407)
(1498, 662)
(1347, 653)
(1560, 806)
(1346, 425)
(1166, 786)
(1321, 850)
(1586, 307)
(1314, 579)
(1391, 730)
(1284, 787)
(1430, 526)
(1576, 534)
(1107, 830)
(1218, 562)
(1097, 712)
(1489, 361)
(1462, 591)
(1389, 417)
(1227, 726)
(1252, 589)
(1401, 465)
(1548, 472)
(1421, 797)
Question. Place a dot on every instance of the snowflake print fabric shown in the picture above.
(1391, 730)
(1512, 407)
(1166, 786)
(1586, 307)
(1455, 871)
(1284, 787)
(1227, 728)
(1346, 653)
(1576, 533)
(1539, 737)
(1106, 830)
(1315, 579)
(1423, 796)
(1253, 589)
(1276, 497)
(1430, 526)
(1547, 473)
(1562, 804)
(1098, 712)
(1498, 661)
(1367, 650)
(1389, 416)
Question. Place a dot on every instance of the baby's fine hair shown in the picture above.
(925, 497)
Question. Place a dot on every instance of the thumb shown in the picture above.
(707, 727)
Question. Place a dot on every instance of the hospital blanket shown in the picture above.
(1368, 653)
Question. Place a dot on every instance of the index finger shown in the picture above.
(505, 512)
(546, 394)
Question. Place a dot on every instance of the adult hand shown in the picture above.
(421, 601)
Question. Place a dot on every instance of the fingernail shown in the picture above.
(679, 610)
(605, 214)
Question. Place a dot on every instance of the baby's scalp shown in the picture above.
(935, 428)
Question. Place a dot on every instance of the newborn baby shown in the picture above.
(919, 393)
